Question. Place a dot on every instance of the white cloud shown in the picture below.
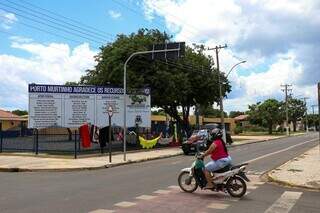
(7, 19)
(114, 14)
(48, 64)
(20, 39)
(277, 38)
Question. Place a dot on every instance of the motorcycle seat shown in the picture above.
(238, 166)
(224, 169)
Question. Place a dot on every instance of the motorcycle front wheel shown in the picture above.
(186, 182)
(236, 186)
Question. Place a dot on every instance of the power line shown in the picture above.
(55, 21)
(176, 17)
(69, 19)
(159, 24)
(52, 26)
(51, 33)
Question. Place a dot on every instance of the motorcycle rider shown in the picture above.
(219, 156)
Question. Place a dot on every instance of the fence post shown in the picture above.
(37, 142)
(75, 145)
(1, 137)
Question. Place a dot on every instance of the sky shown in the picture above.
(51, 42)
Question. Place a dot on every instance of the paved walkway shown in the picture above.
(302, 171)
(21, 162)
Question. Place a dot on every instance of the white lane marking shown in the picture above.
(177, 162)
(145, 197)
(282, 150)
(173, 187)
(162, 191)
(258, 183)
(218, 206)
(102, 211)
(251, 187)
(125, 204)
(284, 203)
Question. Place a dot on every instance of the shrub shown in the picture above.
(238, 129)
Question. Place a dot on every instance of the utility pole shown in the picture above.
(286, 89)
(217, 48)
(314, 122)
(305, 103)
(313, 106)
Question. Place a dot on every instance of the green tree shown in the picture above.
(268, 113)
(296, 110)
(20, 112)
(254, 114)
(210, 112)
(174, 85)
(71, 83)
(158, 112)
(234, 114)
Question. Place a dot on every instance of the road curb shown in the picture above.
(88, 168)
(288, 184)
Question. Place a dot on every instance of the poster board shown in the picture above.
(72, 106)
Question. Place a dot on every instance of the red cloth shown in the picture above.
(85, 136)
(219, 151)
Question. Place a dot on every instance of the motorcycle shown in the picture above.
(230, 179)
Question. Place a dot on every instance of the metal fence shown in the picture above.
(50, 142)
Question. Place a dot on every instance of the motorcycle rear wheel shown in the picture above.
(186, 182)
(236, 186)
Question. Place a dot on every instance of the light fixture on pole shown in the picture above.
(241, 62)
(221, 100)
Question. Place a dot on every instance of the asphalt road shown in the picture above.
(86, 191)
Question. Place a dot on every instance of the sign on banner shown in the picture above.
(71, 106)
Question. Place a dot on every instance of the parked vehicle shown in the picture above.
(211, 126)
(230, 179)
(198, 141)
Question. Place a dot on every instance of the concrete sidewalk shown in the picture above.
(302, 171)
(33, 163)
(29, 162)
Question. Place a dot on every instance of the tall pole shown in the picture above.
(306, 116)
(125, 92)
(313, 118)
(217, 48)
(286, 89)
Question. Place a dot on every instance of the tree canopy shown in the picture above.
(210, 112)
(234, 114)
(174, 84)
(268, 113)
(20, 112)
(296, 110)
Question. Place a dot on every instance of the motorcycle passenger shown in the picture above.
(219, 156)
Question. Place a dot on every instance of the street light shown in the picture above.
(241, 62)
(221, 100)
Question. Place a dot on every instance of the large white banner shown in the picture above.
(72, 106)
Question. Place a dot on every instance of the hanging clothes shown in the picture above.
(104, 136)
(94, 134)
(85, 136)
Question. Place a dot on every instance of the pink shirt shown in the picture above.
(219, 151)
